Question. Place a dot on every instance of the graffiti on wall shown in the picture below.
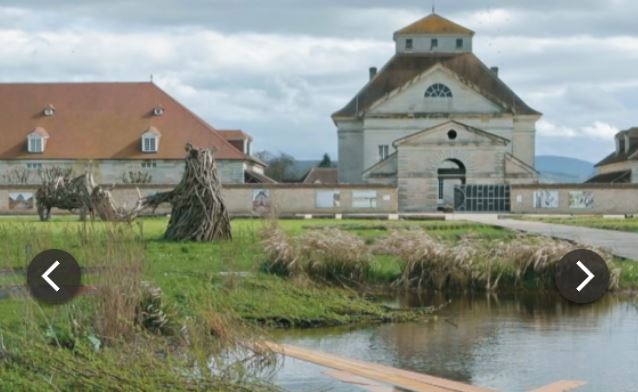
(581, 199)
(546, 199)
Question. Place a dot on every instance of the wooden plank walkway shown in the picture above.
(356, 372)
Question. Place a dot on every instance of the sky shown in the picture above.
(278, 69)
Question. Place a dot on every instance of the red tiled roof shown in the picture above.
(234, 134)
(322, 175)
(101, 121)
(40, 131)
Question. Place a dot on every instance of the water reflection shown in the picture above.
(510, 343)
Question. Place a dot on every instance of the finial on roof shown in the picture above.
(434, 6)
(151, 78)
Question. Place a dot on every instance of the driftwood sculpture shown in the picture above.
(65, 193)
(198, 209)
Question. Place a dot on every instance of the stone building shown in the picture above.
(621, 166)
(119, 131)
(435, 117)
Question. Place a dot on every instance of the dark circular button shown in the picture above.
(54, 277)
(582, 276)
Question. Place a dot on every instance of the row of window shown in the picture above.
(434, 43)
(150, 164)
(36, 143)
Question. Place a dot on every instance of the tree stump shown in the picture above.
(198, 210)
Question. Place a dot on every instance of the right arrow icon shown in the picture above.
(569, 276)
(590, 276)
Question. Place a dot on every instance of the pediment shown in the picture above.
(411, 97)
(451, 132)
(514, 165)
(384, 168)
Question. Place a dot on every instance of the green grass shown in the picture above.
(214, 288)
(596, 222)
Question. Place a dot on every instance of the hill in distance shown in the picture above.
(555, 169)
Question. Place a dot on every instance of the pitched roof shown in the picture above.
(611, 177)
(322, 175)
(234, 134)
(404, 67)
(623, 155)
(469, 128)
(101, 121)
(40, 131)
(434, 24)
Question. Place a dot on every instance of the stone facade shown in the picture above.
(462, 123)
(113, 171)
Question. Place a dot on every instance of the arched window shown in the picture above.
(438, 90)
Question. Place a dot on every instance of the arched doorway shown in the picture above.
(451, 172)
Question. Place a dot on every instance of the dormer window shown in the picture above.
(150, 140)
(149, 144)
(158, 111)
(36, 141)
(49, 111)
(409, 44)
(36, 144)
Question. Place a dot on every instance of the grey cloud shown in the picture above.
(279, 68)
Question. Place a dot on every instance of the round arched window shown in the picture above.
(451, 134)
(438, 90)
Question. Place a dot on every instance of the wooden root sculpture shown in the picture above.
(67, 194)
(198, 209)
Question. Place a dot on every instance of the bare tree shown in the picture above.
(17, 176)
(280, 167)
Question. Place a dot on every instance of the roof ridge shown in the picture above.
(199, 119)
(434, 24)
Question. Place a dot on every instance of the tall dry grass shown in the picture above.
(329, 255)
(473, 263)
(334, 256)
(428, 262)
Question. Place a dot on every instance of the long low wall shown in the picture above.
(575, 199)
(254, 199)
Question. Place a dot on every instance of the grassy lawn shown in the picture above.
(596, 222)
(214, 297)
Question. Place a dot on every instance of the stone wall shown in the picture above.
(575, 199)
(253, 199)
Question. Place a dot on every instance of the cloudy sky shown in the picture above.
(279, 68)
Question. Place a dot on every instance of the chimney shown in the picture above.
(373, 72)
(494, 71)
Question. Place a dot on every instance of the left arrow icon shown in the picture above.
(54, 277)
(46, 274)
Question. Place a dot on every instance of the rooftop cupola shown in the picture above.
(434, 34)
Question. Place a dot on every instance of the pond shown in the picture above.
(514, 343)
